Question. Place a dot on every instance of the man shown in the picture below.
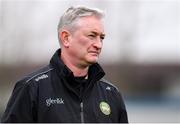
(71, 88)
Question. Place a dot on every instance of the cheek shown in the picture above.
(84, 43)
(78, 47)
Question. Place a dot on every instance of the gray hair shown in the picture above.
(74, 13)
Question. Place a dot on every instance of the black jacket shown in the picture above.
(51, 95)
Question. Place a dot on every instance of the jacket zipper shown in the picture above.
(81, 112)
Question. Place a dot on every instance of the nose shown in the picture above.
(98, 44)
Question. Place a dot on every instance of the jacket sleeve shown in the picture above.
(20, 107)
(123, 117)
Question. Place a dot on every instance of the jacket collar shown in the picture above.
(59, 65)
(64, 71)
(95, 72)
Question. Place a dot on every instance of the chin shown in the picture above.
(92, 61)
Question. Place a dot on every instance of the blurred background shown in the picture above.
(141, 52)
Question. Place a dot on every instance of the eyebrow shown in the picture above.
(96, 33)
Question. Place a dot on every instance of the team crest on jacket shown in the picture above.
(105, 108)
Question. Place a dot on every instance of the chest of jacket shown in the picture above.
(58, 104)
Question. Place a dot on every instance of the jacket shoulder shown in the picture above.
(108, 83)
(37, 75)
(32, 79)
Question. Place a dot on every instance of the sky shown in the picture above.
(140, 31)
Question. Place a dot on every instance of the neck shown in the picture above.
(78, 70)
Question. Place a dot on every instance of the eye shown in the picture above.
(92, 35)
(102, 37)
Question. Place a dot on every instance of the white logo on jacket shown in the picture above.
(108, 88)
(41, 77)
(50, 101)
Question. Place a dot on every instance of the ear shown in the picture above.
(64, 36)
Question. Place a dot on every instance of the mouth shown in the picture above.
(95, 53)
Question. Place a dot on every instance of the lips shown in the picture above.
(94, 52)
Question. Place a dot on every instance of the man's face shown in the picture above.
(85, 43)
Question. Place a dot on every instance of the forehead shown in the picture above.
(91, 23)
